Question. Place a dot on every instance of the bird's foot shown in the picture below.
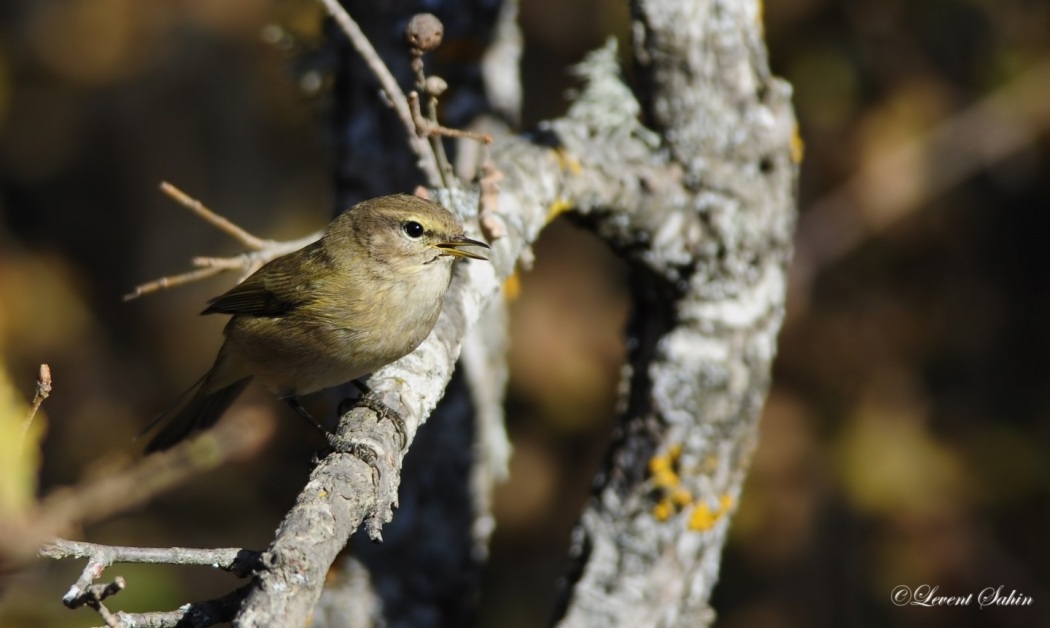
(366, 452)
(372, 453)
(373, 402)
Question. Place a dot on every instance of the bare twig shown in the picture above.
(92, 571)
(427, 159)
(484, 138)
(84, 592)
(110, 619)
(261, 251)
(171, 281)
(93, 594)
(429, 128)
(196, 615)
(219, 222)
(240, 562)
(43, 391)
(418, 120)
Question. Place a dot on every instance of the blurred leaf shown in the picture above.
(48, 315)
(891, 465)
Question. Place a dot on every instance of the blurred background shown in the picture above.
(905, 437)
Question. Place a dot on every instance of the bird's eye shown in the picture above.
(412, 229)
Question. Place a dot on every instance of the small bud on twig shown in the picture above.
(435, 86)
(424, 32)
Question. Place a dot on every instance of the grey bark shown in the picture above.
(701, 202)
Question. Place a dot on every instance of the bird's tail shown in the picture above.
(200, 412)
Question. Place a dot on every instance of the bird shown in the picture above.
(365, 294)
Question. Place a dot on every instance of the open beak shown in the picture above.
(456, 248)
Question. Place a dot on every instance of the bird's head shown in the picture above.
(403, 232)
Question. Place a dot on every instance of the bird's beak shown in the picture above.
(455, 248)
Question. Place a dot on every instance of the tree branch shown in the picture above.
(219, 222)
(84, 592)
(261, 251)
(240, 562)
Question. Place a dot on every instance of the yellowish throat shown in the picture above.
(365, 294)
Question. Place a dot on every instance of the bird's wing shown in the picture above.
(274, 290)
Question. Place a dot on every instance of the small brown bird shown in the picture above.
(364, 295)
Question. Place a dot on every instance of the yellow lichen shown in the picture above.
(558, 208)
(663, 510)
(703, 518)
(681, 497)
(665, 478)
(512, 287)
(658, 464)
(567, 161)
(798, 147)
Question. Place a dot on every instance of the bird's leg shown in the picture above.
(371, 400)
(293, 401)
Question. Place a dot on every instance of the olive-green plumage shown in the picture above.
(365, 294)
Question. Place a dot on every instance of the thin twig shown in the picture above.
(484, 138)
(240, 562)
(74, 598)
(221, 223)
(93, 594)
(427, 159)
(429, 127)
(424, 126)
(174, 280)
(417, 114)
(261, 251)
(198, 614)
(108, 617)
(43, 391)
(84, 592)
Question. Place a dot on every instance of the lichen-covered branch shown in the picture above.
(708, 373)
(718, 240)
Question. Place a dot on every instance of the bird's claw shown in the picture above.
(373, 402)
(371, 453)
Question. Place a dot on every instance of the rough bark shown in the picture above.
(714, 229)
(702, 204)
